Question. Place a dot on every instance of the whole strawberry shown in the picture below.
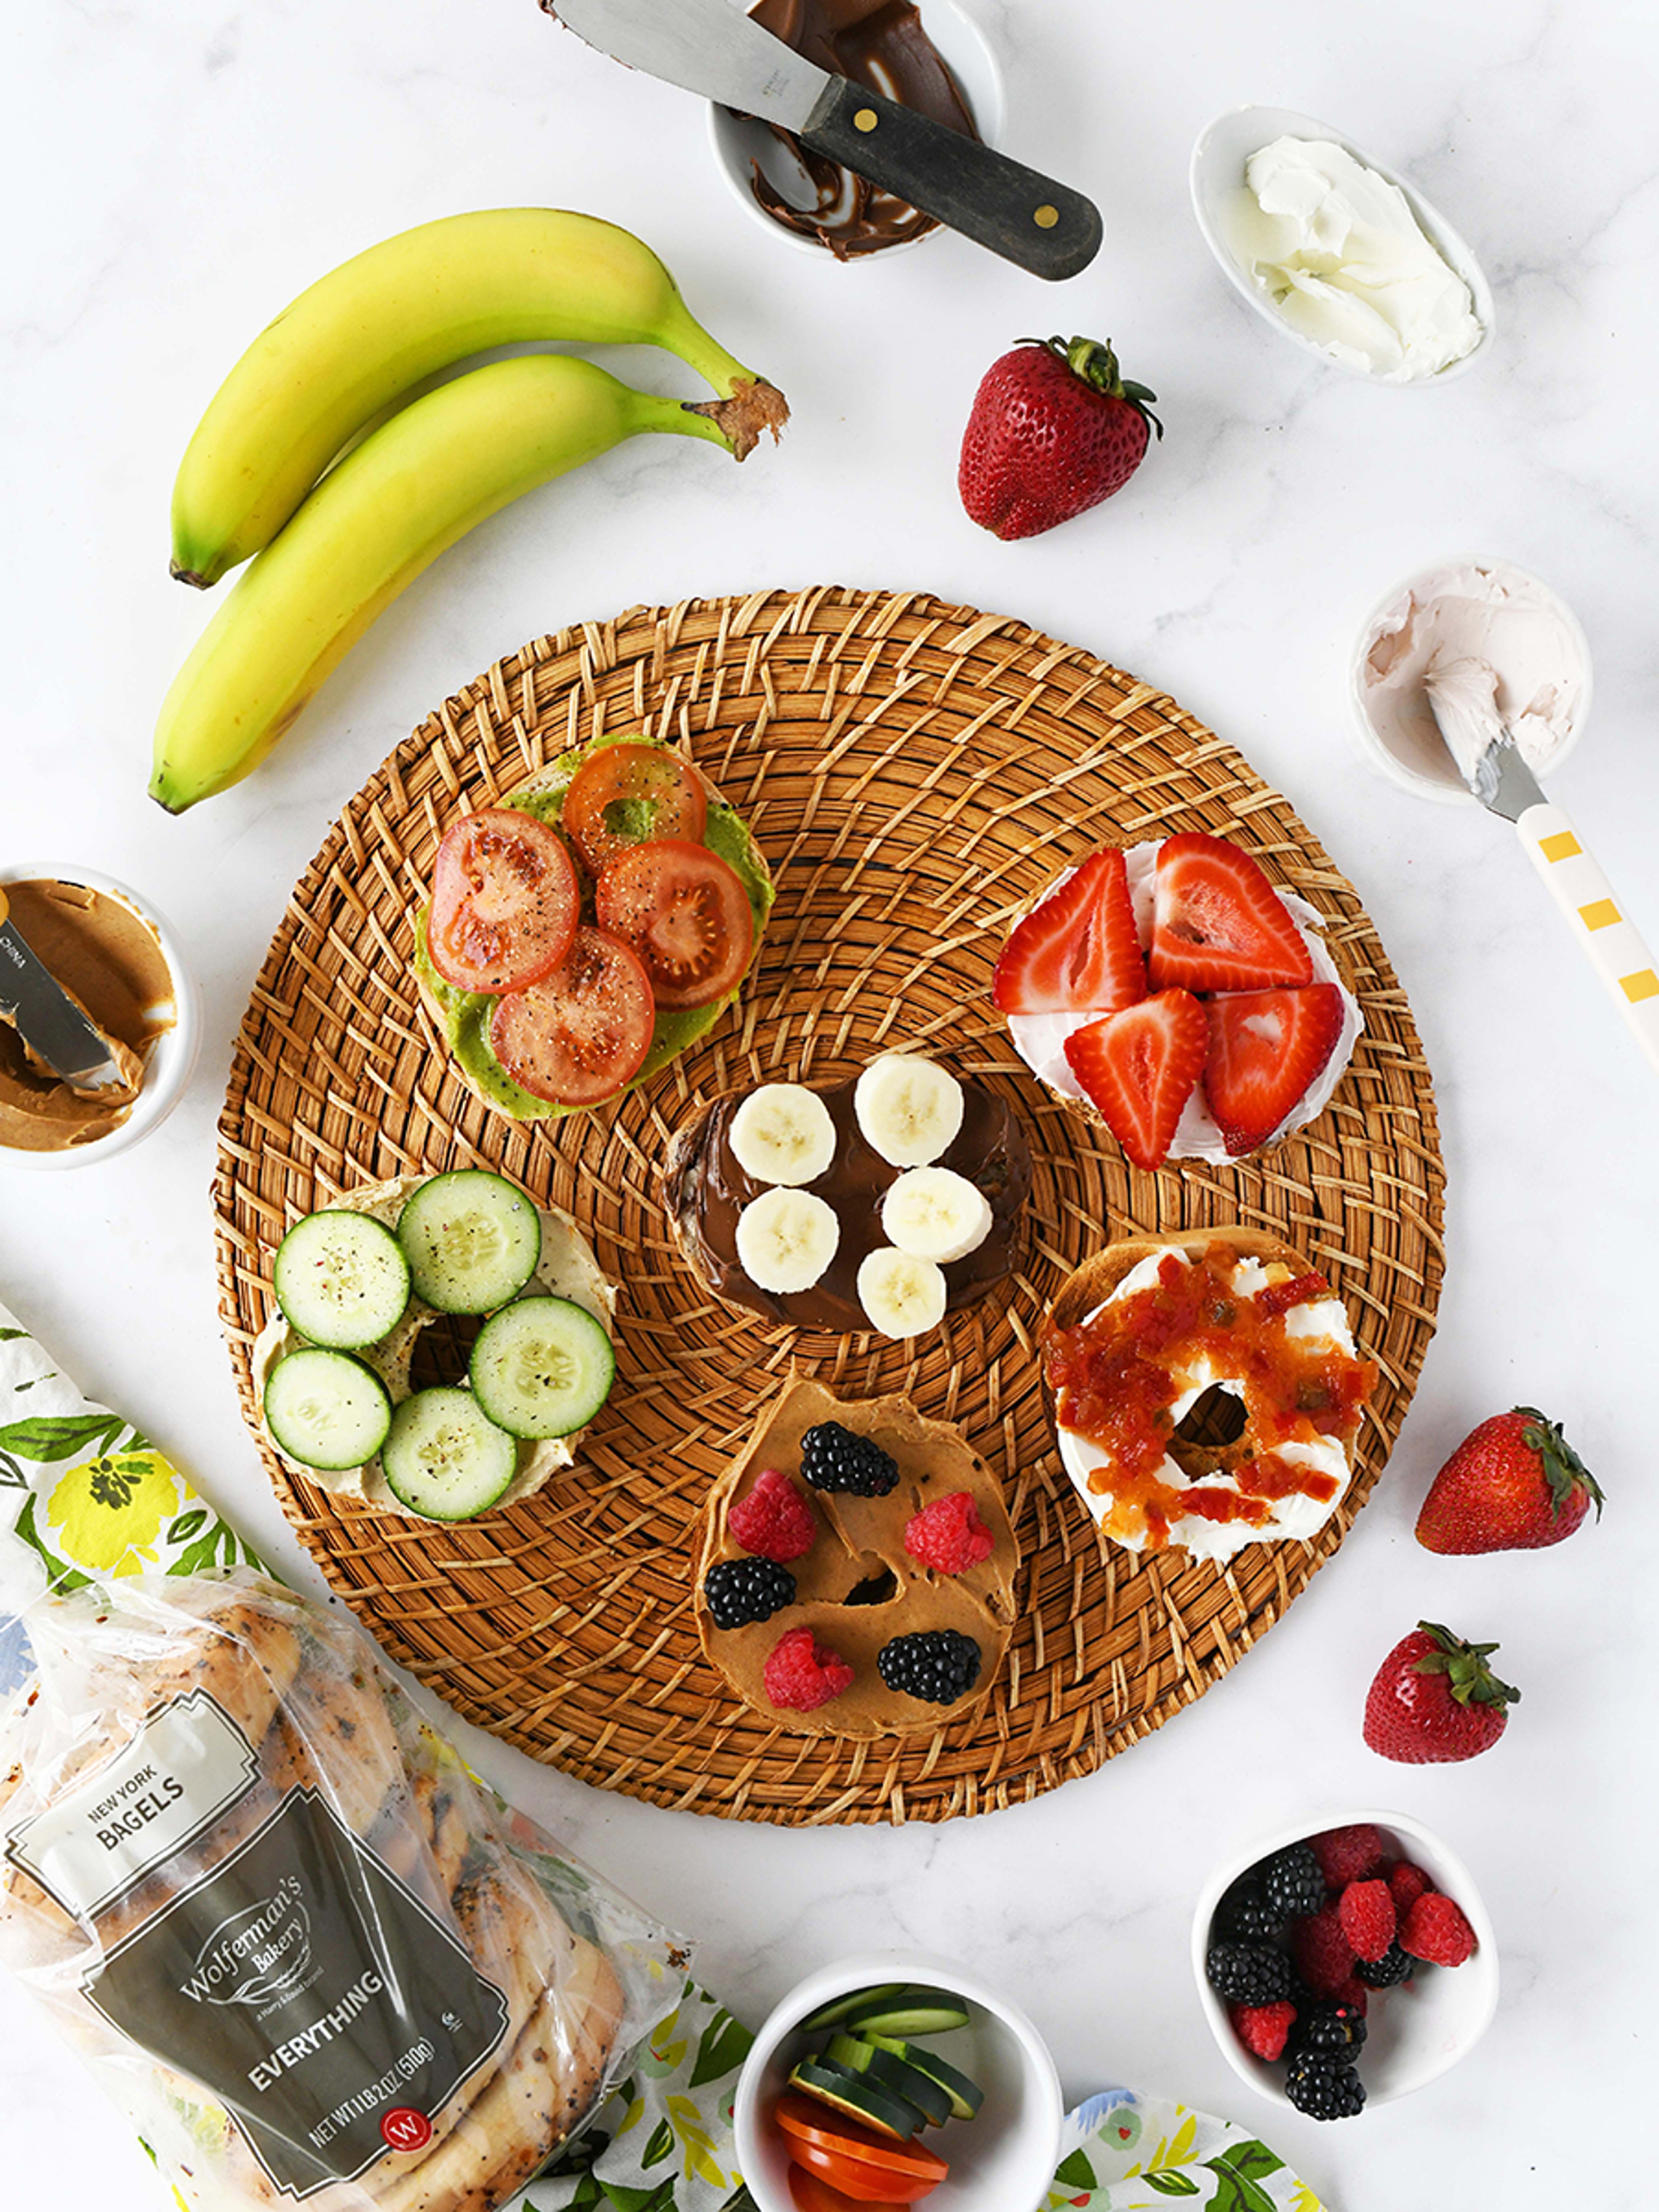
(1435, 1698)
(1515, 1485)
(1054, 431)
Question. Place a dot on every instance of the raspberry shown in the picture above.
(774, 1521)
(1346, 1855)
(1437, 1932)
(949, 1535)
(1406, 1884)
(1323, 1955)
(801, 1675)
(1366, 1909)
(1263, 2029)
(1355, 1996)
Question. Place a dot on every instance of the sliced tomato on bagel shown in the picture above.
(686, 913)
(505, 901)
(804, 2120)
(624, 795)
(578, 1035)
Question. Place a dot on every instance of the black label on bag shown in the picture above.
(305, 1988)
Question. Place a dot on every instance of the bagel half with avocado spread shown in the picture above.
(590, 927)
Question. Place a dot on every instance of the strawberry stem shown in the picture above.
(1096, 365)
(1469, 1678)
(1564, 1470)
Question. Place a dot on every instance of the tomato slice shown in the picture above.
(581, 1033)
(854, 2180)
(804, 2120)
(686, 913)
(816, 2187)
(505, 901)
(627, 794)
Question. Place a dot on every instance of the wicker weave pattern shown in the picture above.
(915, 772)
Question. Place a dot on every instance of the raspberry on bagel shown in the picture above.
(1206, 1391)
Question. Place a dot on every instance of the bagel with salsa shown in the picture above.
(589, 927)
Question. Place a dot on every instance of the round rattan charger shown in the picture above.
(914, 771)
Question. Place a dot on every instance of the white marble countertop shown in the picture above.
(173, 175)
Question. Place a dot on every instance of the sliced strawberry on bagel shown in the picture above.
(1077, 953)
(1139, 1068)
(1266, 1049)
(1217, 923)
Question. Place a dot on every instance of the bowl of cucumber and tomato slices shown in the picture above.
(895, 2078)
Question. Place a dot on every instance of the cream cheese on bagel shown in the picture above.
(566, 1269)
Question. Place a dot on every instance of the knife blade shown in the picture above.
(48, 1020)
(712, 48)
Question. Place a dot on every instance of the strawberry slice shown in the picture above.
(1140, 1068)
(1077, 953)
(1217, 923)
(1267, 1048)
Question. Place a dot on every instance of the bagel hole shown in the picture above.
(878, 1588)
(1217, 1419)
(439, 1356)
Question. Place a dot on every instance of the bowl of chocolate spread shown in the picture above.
(929, 55)
(122, 964)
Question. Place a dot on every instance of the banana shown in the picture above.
(362, 335)
(419, 482)
(785, 1240)
(908, 1108)
(934, 1213)
(902, 1296)
(782, 1134)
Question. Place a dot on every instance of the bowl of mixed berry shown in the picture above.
(1346, 1966)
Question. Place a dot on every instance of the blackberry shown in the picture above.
(1244, 1915)
(1249, 1974)
(1394, 1966)
(1324, 2085)
(738, 1591)
(833, 1458)
(938, 1665)
(1291, 1882)
(1327, 2025)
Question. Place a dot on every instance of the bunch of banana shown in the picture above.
(330, 383)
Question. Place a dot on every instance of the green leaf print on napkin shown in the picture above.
(1174, 2184)
(723, 2046)
(1240, 2167)
(54, 1436)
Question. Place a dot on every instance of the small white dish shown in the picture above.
(1217, 172)
(1429, 771)
(1002, 2160)
(173, 1056)
(737, 140)
(1415, 2033)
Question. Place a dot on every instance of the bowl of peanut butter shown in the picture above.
(121, 964)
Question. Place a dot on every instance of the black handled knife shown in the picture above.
(48, 1020)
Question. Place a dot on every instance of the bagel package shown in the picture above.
(315, 1958)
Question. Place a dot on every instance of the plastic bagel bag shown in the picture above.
(314, 1960)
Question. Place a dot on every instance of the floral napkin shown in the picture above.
(84, 1498)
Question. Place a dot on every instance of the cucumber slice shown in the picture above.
(326, 1409)
(839, 2008)
(340, 1280)
(852, 2095)
(914, 2012)
(445, 1458)
(881, 2070)
(472, 1239)
(966, 2097)
(542, 1367)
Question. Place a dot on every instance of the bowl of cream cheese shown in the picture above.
(1338, 252)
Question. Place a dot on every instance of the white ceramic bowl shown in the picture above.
(172, 1057)
(1217, 171)
(1437, 778)
(737, 142)
(1414, 2034)
(1002, 2160)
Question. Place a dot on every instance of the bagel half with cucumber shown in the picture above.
(356, 1285)
(589, 927)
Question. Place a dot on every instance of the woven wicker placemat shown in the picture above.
(914, 771)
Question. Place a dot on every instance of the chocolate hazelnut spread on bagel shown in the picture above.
(706, 1189)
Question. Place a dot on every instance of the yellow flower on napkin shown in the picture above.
(107, 1513)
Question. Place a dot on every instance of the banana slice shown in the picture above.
(908, 1108)
(902, 1296)
(934, 1213)
(786, 1239)
(783, 1134)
